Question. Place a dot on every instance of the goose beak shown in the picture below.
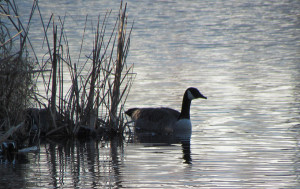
(202, 96)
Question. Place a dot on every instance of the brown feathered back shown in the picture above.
(154, 119)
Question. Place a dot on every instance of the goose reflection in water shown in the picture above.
(166, 140)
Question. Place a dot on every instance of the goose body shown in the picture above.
(165, 120)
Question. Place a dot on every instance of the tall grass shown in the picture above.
(99, 84)
(16, 68)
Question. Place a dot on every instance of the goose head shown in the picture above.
(193, 93)
(189, 95)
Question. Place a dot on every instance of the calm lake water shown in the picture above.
(243, 55)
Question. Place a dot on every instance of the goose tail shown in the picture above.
(130, 111)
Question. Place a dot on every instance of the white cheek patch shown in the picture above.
(190, 95)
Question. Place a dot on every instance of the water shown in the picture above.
(243, 55)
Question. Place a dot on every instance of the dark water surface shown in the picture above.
(243, 55)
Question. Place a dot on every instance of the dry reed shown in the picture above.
(94, 102)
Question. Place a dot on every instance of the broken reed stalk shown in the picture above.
(54, 70)
(119, 68)
(95, 65)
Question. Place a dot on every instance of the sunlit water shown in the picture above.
(243, 55)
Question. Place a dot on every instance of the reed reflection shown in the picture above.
(81, 164)
(12, 166)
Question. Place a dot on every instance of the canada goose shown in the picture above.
(165, 120)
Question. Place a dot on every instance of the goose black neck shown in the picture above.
(185, 108)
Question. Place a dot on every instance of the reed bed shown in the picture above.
(16, 75)
(78, 98)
